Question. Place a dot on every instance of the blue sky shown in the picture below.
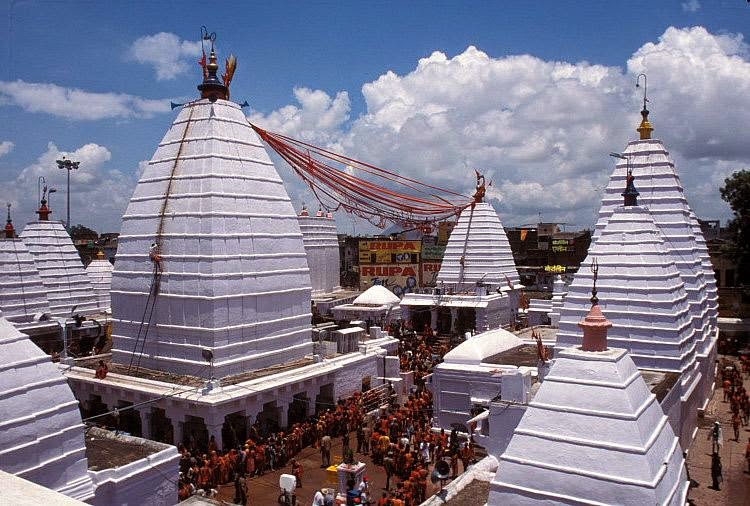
(331, 48)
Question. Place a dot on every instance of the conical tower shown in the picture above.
(99, 272)
(63, 277)
(21, 292)
(478, 251)
(210, 260)
(593, 434)
(662, 193)
(41, 432)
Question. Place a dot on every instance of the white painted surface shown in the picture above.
(20, 492)
(60, 268)
(41, 434)
(593, 434)
(661, 191)
(235, 275)
(322, 248)
(21, 292)
(150, 481)
(482, 346)
(99, 272)
(486, 252)
(377, 295)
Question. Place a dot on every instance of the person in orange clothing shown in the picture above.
(383, 501)
(204, 477)
(297, 472)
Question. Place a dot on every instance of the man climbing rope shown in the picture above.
(153, 254)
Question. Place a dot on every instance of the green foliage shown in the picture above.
(736, 192)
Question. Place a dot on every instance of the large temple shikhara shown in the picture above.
(211, 300)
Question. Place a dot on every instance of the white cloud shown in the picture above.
(77, 104)
(99, 193)
(541, 129)
(691, 6)
(6, 147)
(166, 52)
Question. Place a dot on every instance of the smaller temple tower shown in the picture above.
(322, 248)
(63, 277)
(593, 434)
(21, 292)
(99, 272)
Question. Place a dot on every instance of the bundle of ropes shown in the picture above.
(381, 198)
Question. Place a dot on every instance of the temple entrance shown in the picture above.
(466, 320)
(130, 419)
(444, 320)
(195, 432)
(161, 427)
(420, 317)
(234, 430)
(268, 419)
(92, 407)
(297, 409)
(324, 400)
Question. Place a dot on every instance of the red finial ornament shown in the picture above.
(595, 324)
(10, 232)
(44, 211)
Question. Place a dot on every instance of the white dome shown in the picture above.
(376, 295)
(483, 346)
(41, 433)
(60, 267)
(235, 278)
(21, 292)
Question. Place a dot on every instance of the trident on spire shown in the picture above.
(645, 87)
(595, 271)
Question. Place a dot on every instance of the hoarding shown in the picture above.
(432, 252)
(398, 278)
(429, 273)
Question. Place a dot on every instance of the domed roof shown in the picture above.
(99, 272)
(484, 256)
(60, 267)
(662, 193)
(41, 434)
(234, 275)
(641, 290)
(482, 346)
(21, 292)
(376, 295)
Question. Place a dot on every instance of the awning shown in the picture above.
(439, 301)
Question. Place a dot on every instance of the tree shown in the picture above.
(736, 192)
(79, 232)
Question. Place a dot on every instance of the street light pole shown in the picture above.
(67, 165)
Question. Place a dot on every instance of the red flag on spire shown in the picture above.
(202, 63)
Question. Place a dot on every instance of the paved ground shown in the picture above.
(736, 487)
(264, 490)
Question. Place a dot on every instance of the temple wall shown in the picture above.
(322, 248)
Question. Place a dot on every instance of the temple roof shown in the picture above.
(483, 346)
(21, 292)
(60, 267)
(41, 433)
(320, 237)
(485, 253)
(99, 272)
(662, 193)
(593, 434)
(234, 275)
(641, 290)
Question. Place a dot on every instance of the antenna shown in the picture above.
(645, 88)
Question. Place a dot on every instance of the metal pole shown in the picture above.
(67, 221)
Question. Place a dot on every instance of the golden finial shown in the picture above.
(645, 128)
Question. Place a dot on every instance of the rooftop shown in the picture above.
(107, 450)
(523, 355)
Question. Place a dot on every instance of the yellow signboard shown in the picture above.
(399, 278)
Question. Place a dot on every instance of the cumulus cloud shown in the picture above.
(6, 147)
(542, 130)
(691, 6)
(77, 104)
(99, 193)
(166, 52)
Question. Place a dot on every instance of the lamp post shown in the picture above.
(49, 196)
(67, 165)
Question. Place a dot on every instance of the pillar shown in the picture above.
(214, 424)
(177, 419)
(434, 319)
(454, 319)
(145, 415)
